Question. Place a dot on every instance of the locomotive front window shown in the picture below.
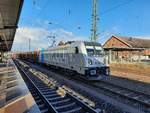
(90, 52)
(94, 52)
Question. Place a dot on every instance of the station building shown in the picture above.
(126, 49)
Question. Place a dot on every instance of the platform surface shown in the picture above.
(14, 94)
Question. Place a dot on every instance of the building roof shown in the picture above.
(135, 42)
(92, 43)
(130, 42)
(9, 15)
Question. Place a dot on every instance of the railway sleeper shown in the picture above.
(138, 97)
(36, 97)
(34, 94)
(45, 91)
(40, 83)
(128, 94)
(51, 95)
(75, 110)
(41, 105)
(58, 103)
(44, 111)
(42, 87)
(143, 98)
(122, 91)
(32, 90)
(66, 107)
(147, 101)
(56, 99)
(38, 101)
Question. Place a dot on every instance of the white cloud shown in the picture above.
(39, 38)
(63, 35)
(142, 37)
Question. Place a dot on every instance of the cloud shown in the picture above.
(142, 37)
(63, 35)
(38, 37)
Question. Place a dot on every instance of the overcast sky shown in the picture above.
(71, 20)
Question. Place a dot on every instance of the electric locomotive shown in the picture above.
(85, 59)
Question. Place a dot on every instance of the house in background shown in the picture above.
(127, 49)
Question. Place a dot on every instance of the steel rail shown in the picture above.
(50, 107)
(94, 84)
(125, 95)
(75, 99)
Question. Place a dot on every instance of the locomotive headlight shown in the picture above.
(93, 72)
(90, 61)
(107, 71)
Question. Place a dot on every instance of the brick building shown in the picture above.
(127, 48)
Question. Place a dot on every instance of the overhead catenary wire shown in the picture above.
(112, 9)
(40, 13)
(69, 13)
(115, 7)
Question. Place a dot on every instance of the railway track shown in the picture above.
(137, 97)
(48, 97)
(134, 98)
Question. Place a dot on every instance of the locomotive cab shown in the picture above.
(95, 60)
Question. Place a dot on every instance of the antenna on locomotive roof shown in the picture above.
(53, 39)
(94, 22)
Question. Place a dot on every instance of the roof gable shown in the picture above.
(115, 42)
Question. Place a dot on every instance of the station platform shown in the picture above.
(14, 95)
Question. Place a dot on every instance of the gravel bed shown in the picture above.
(131, 84)
(102, 101)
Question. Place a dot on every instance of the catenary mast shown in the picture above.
(94, 22)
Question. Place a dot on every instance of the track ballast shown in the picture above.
(51, 99)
